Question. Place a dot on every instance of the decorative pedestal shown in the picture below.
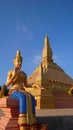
(9, 116)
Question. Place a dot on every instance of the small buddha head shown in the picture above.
(18, 60)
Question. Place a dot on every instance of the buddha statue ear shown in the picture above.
(18, 56)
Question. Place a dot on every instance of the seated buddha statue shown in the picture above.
(17, 77)
(17, 80)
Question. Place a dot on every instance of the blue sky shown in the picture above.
(24, 25)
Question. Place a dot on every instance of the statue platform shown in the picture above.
(9, 114)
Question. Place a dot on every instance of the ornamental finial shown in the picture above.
(18, 55)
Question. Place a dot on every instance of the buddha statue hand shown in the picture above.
(38, 87)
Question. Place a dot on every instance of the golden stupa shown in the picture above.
(53, 78)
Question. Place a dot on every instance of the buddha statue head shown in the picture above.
(18, 56)
(18, 59)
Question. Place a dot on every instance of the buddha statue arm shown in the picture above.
(29, 85)
(10, 78)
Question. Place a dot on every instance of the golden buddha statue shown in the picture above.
(16, 77)
(18, 81)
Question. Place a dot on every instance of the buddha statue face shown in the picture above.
(18, 60)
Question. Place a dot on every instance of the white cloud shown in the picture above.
(23, 32)
(22, 28)
(37, 59)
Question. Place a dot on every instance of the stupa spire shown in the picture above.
(47, 51)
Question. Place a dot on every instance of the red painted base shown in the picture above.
(9, 116)
(9, 120)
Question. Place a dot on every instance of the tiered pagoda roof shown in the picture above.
(48, 70)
